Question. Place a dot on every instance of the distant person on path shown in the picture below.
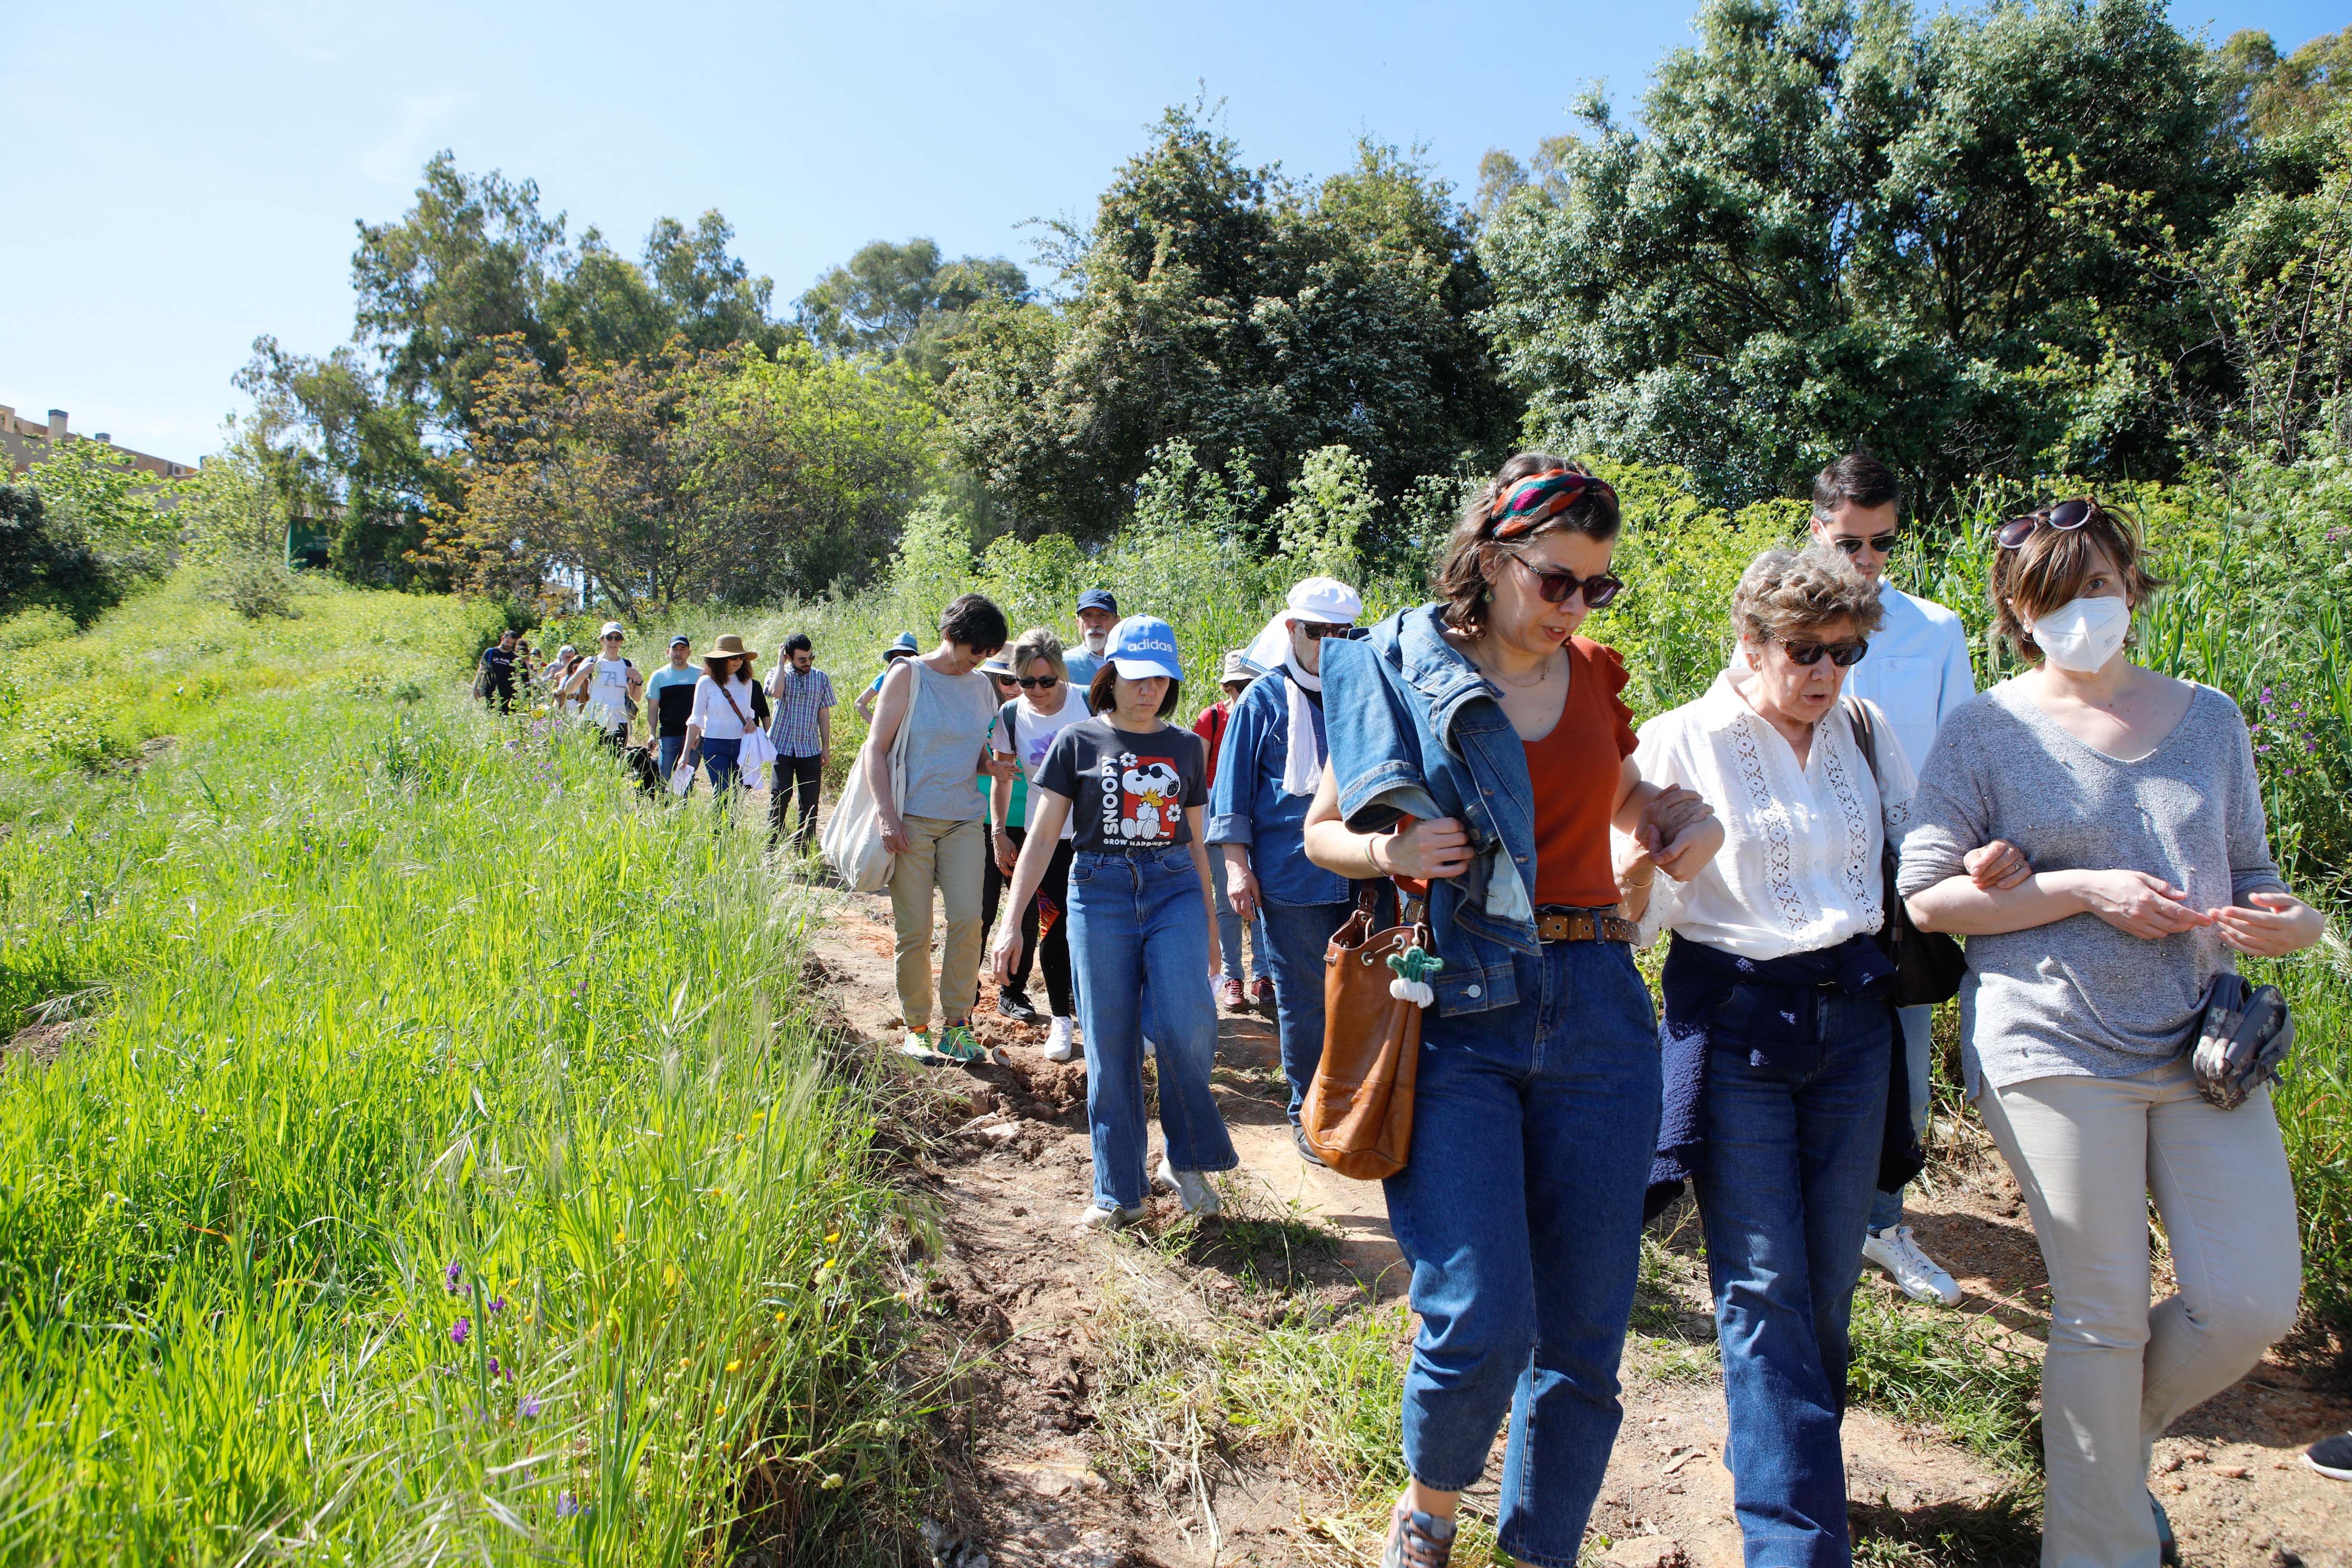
(2134, 797)
(670, 693)
(1098, 612)
(1270, 762)
(1477, 744)
(906, 647)
(1024, 730)
(558, 674)
(499, 672)
(1210, 727)
(803, 695)
(608, 687)
(723, 714)
(988, 781)
(1131, 785)
(938, 834)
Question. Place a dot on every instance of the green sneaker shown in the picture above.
(958, 1043)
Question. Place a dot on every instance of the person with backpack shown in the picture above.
(723, 712)
(1131, 787)
(671, 693)
(1210, 727)
(607, 687)
(496, 685)
(1024, 730)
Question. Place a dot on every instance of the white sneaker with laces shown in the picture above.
(1898, 1252)
(1193, 1186)
(1098, 1217)
(918, 1044)
(1061, 1041)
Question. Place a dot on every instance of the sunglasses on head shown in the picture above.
(2067, 516)
(1844, 654)
(1035, 682)
(1556, 584)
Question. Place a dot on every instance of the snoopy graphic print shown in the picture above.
(1126, 791)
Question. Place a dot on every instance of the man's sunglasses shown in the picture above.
(1035, 682)
(2065, 517)
(1555, 586)
(1316, 631)
(1844, 654)
(1881, 543)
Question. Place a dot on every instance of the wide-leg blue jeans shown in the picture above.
(1786, 1183)
(1520, 1212)
(1140, 942)
(1297, 937)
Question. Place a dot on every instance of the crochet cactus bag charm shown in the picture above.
(1414, 967)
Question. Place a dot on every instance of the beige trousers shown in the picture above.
(2089, 1153)
(951, 857)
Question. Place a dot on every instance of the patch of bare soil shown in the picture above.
(1003, 1156)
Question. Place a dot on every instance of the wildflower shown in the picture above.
(497, 1303)
(494, 1366)
(734, 1366)
(566, 1505)
(528, 1406)
(779, 1317)
(460, 1330)
(450, 1277)
(834, 1237)
(831, 1483)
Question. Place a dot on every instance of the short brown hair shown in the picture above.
(1856, 479)
(1787, 591)
(2049, 569)
(1459, 577)
(1102, 691)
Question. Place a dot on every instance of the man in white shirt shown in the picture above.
(1918, 672)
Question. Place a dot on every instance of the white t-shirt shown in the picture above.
(1034, 733)
(608, 693)
(1916, 670)
(1800, 868)
(714, 718)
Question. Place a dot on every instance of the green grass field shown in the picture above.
(431, 1165)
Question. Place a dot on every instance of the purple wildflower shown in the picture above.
(460, 1330)
(450, 1277)
(566, 1505)
(497, 1303)
(528, 1406)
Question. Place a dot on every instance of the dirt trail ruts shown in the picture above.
(1011, 1171)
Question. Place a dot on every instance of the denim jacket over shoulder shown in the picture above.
(1415, 730)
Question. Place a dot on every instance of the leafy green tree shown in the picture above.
(905, 301)
(1836, 225)
(2275, 96)
(711, 298)
(94, 493)
(1252, 318)
(43, 565)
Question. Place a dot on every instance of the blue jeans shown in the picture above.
(1139, 941)
(665, 750)
(719, 761)
(1520, 1212)
(1784, 1187)
(1229, 928)
(1299, 934)
(1918, 1049)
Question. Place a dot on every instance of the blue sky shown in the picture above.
(179, 178)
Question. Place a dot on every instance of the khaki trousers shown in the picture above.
(951, 857)
(2089, 1153)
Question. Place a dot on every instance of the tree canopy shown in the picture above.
(905, 301)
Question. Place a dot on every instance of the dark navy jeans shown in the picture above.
(1520, 1212)
(1790, 1170)
(1298, 935)
(1139, 941)
(719, 761)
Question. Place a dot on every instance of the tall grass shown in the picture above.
(432, 1166)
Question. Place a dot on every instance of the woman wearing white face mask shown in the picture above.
(2134, 796)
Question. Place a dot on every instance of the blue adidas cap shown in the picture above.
(1144, 646)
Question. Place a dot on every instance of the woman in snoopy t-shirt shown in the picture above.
(1131, 786)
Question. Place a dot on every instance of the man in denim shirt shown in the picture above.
(1267, 768)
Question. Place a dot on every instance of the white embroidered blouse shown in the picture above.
(1799, 867)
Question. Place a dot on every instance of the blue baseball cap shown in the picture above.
(1143, 645)
(1098, 599)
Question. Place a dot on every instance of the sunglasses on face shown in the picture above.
(2067, 516)
(1036, 682)
(1555, 586)
(1881, 543)
(1844, 654)
(1316, 631)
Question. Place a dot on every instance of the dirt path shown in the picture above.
(1032, 1482)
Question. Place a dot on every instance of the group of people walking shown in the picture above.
(2093, 829)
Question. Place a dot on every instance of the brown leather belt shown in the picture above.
(1582, 925)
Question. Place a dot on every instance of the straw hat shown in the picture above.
(729, 646)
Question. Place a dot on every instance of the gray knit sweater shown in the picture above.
(2077, 997)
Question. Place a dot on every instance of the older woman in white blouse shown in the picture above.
(1779, 1030)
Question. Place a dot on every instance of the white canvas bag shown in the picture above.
(852, 841)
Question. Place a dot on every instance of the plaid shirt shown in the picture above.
(798, 699)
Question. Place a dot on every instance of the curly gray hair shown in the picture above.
(1787, 592)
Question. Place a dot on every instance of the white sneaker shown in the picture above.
(918, 1044)
(1098, 1217)
(1193, 1186)
(1061, 1041)
(1897, 1251)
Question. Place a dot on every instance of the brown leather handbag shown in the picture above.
(1359, 1112)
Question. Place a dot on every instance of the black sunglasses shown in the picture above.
(1033, 682)
(2067, 516)
(1881, 543)
(1555, 586)
(1316, 631)
(1844, 654)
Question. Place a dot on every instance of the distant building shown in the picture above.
(24, 443)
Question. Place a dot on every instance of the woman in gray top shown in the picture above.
(2134, 796)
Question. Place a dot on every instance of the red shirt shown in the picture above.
(1575, 770)
(1210, 727)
